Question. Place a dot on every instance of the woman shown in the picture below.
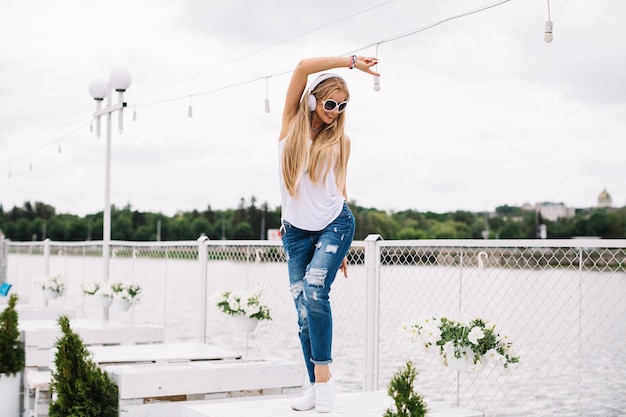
(317, 225)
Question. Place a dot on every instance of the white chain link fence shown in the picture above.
(563, 303)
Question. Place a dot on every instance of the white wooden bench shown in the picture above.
(356, 404)
(161, 389)
(40, 336)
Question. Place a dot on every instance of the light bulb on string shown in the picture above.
(59, 149)
(190, 108)
(134, 114)
(376, 77)
(547, 35)
(547, 31)
(267, 100)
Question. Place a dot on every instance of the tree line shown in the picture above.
(250, 221)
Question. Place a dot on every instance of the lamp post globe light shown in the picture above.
(100, 89)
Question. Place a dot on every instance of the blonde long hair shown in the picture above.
(328, 149)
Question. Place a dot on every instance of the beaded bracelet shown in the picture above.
(353, 62)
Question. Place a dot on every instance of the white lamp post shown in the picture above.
(119, 80)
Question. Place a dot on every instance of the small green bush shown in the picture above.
(401, 390)
(81, 388)
(12, 355)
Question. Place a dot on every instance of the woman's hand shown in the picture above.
(365, 64)
(344, 267)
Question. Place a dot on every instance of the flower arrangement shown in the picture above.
(90, 288)
(242, 304)
(128, 292)
(478, 341)
(54, 284)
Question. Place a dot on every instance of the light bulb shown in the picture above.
(376, 83)
(547, 35)
(267, 105)
(98, 89)
(120, 79)
(190, 111)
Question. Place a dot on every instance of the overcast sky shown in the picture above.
(473, 113)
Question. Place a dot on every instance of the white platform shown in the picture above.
(358, 404)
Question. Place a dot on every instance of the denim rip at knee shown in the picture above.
(313, 259)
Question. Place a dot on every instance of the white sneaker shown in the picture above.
(306, 401)
(324, 397)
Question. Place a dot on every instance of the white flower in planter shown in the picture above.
(248, 304)
(478, 342)
(53, 284)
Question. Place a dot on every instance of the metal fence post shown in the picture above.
(202, 272)
(4, 254)
(46, 257)
(372, 298)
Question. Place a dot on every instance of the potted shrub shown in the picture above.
(246, 308)
(12, 360)
(78, 386)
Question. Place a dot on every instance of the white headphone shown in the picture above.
(315, 83)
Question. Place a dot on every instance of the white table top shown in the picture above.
(166, 352)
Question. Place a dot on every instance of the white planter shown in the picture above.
(120, 304)
(461, 364)
(104, 302)
(51, 294)
(10, 395)
(245, 324)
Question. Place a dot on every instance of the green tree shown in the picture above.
(79, 387)
(12, 355)
(243, 231)
(408, 403)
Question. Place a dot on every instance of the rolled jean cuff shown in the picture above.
(328, 362)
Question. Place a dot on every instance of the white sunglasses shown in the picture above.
(330, 105)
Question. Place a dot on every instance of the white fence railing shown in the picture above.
(562, 302)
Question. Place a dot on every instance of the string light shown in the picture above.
(547, 33)
(134, 113)
(376, 77)
(267, 100)
(190, 109)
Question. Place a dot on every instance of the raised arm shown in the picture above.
(310, 66)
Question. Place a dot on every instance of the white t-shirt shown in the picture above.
(315, 206)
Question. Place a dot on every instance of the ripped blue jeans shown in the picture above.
(313, 259)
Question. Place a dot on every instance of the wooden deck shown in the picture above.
(358, 404)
